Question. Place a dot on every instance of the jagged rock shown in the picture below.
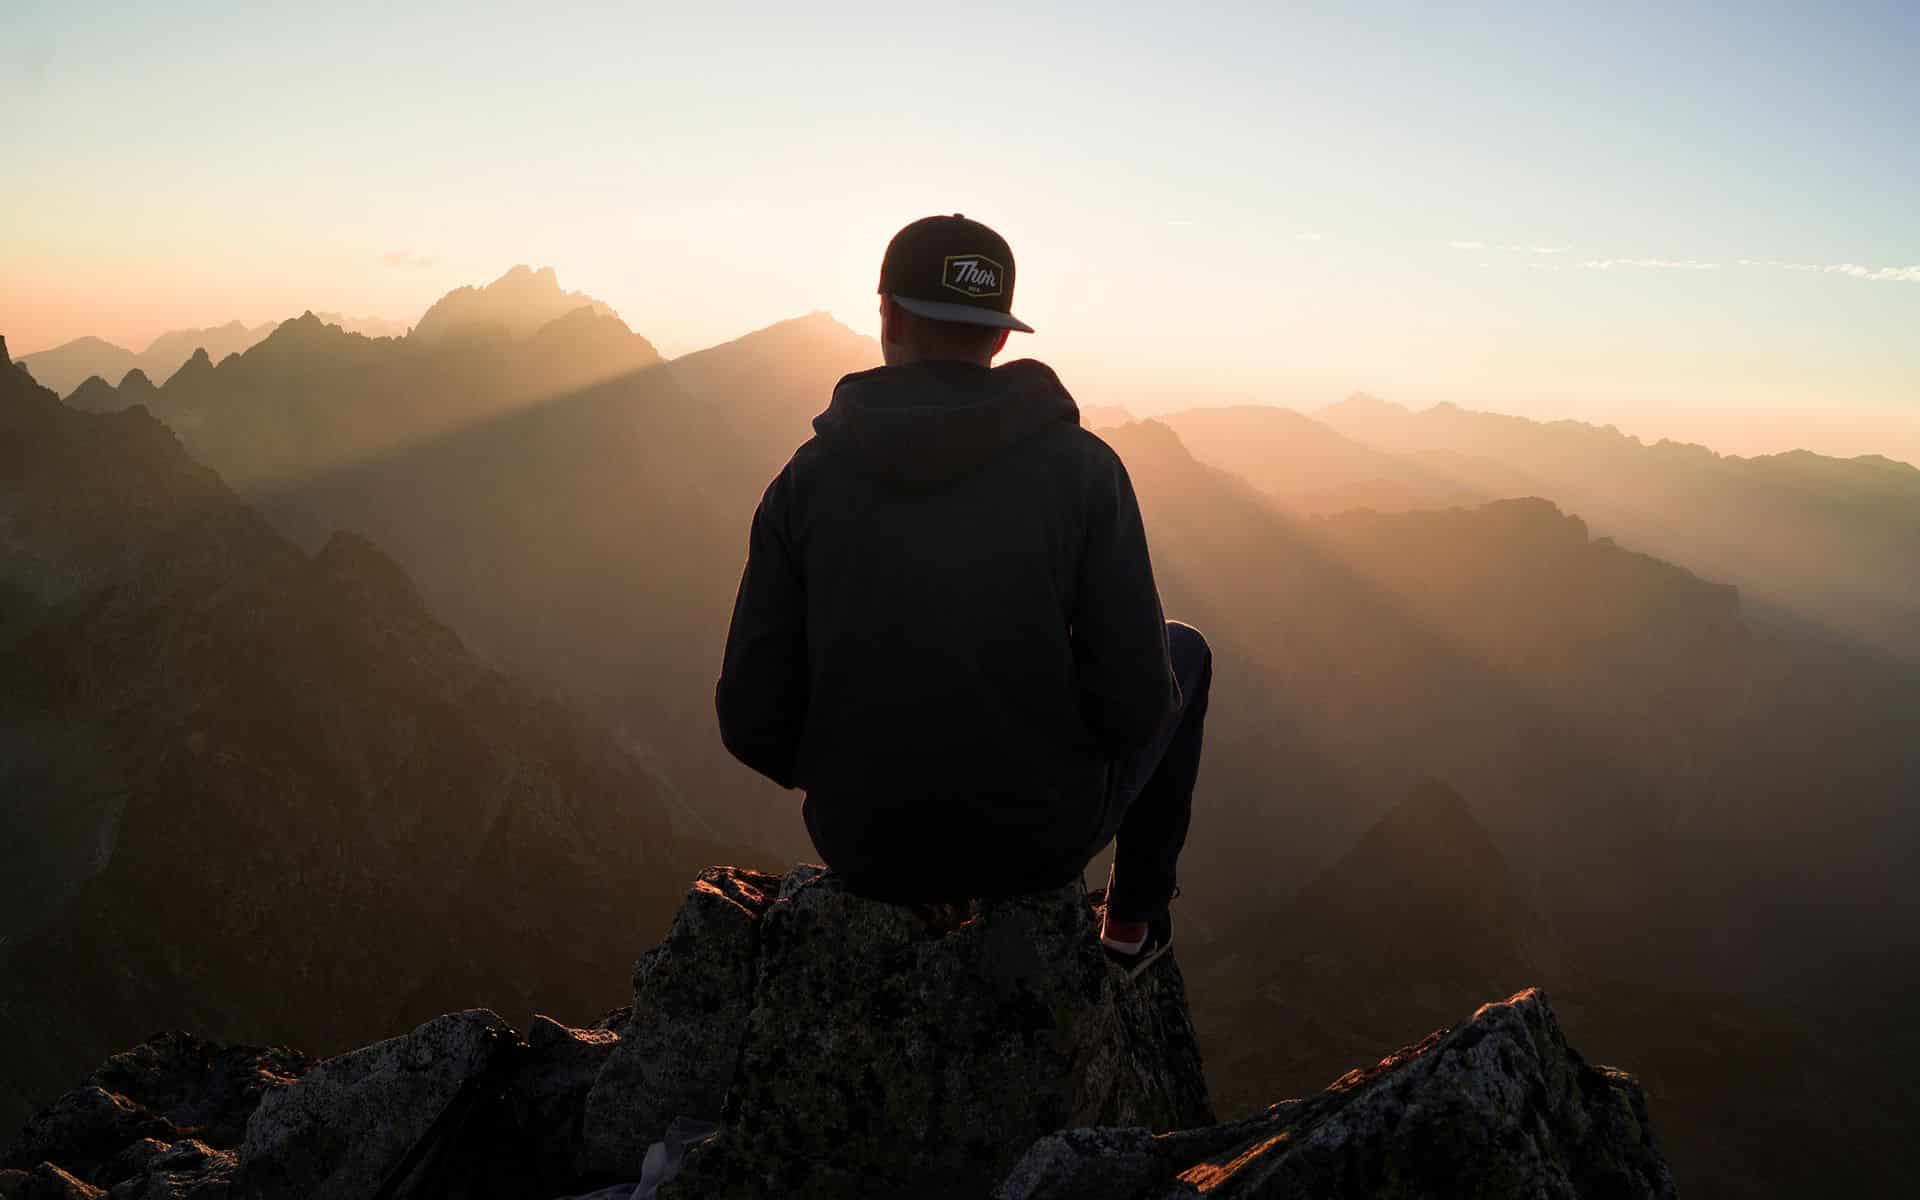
(45, 1182)
(202, 1088)
(84, 1128)
(884, 1057)
(186, 1170)
(691, 998)
(351, 1122)
(550, 1089)
(850, 1048)
(132, 1162)
(168, 1087)
(1501, 1106)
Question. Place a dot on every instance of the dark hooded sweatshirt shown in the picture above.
(946, 631)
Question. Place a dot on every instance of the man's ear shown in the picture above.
(889, 320)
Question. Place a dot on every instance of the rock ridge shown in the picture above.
(844, 1047)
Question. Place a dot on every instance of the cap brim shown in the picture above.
(962, 314)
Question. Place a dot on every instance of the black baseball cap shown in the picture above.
(952, 269)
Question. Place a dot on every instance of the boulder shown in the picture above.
(542, 1129)
(369, 1119)
(1501, 1106)
(691, 998)
(884, 1055)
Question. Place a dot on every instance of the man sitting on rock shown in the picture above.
(947, 631)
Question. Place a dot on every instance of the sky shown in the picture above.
(1684, 219)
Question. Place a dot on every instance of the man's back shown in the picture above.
(947, 630)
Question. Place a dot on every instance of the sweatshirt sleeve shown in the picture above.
(1124, 675)
(761, 698)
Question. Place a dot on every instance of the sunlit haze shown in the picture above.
(1694, 221)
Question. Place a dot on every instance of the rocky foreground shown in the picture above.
(789, 1039)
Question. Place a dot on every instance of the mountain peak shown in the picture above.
(94, 395)
(304, 329)
(1433, 813)
(1425, 881)
(196, 366)
(522, 274)
(522, 300)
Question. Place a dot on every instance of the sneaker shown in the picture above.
(1136, 945)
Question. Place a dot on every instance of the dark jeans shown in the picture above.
(1150, 800)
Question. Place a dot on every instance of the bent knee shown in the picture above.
(1187, 644)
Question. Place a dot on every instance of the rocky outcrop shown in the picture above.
(461, 1106)
(1500, 1106)
(845, 1045)
(882, 1056)
(351, 1125)
(159, 1121)
(847, 1048)
(692, 995)
(170, 1087)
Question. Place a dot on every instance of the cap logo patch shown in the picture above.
(973, 275)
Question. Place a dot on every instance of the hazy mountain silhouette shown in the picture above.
(256, 793)
(1832, 540)
(1596, 702)
(592, 542)
(1417, 919)
(1312, 468)
(1422, 914)
(521, 301)
(70, 364)
(312, 397)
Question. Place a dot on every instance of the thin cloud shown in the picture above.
(1850, 270)
(1895, 274)
(1876, 274)
(1310, 237)
(407, 260)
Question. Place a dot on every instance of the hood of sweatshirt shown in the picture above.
(922, 426)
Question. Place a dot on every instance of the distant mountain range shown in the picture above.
(1828, 543)
(70, 364)
(251, 792)
(1676, 796)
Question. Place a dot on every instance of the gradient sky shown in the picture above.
(1655, 214)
